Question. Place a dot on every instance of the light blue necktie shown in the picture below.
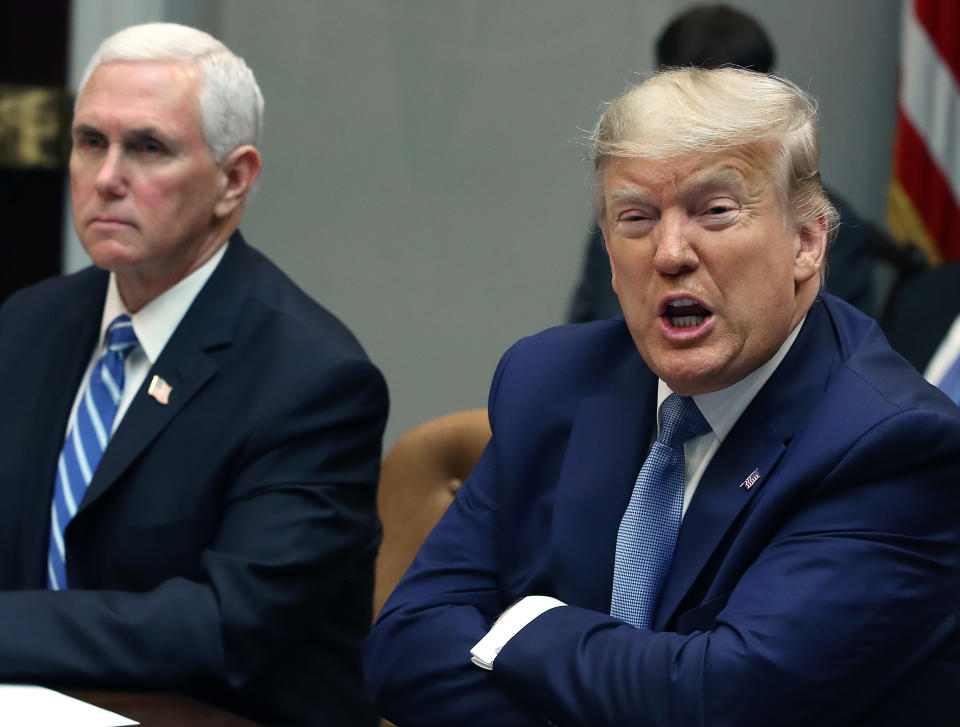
(950, 383)
(651, 522)
(86, 441)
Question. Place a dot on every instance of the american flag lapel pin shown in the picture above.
(751, 479)
(160, 390)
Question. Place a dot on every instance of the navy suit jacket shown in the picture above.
(825, 593)
(225, 545)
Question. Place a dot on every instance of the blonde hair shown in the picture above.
(686, 111)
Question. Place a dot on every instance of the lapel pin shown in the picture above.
(746, 484)
(160, 390)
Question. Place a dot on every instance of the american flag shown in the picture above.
(923, 204)
(160, 390)
(751, 480)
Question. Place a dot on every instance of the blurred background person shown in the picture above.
(923, 325)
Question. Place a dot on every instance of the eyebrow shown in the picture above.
(718, 180)
(145, 134)
(628, 194)
(141, 134)
(85, 129)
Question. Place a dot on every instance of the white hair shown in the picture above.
(231, 105)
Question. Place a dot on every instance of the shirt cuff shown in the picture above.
(507, 626)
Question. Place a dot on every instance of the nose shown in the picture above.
(674, 254)
(111, 181)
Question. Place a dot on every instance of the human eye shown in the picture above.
(146, 144)
(634, 222)
(719, 211)
(152, 147)
(89, 140)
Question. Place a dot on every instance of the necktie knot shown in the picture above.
(120, 335)
(680, 420)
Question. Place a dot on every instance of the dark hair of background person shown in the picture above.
(709, 36)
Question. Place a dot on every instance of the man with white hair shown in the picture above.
(733, 506)
(187, 496)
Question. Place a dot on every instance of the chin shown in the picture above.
(110, 254)
(683, 386)
(701, 368)
(691, 379)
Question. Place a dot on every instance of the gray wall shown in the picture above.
(423, 168)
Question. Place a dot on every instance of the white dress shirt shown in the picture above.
(721, 409)
(947, 352)
(153, 324)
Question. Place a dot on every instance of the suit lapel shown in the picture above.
(186, 367)
(187, 363)
(718, 501)
(756, 442)
(607, 446)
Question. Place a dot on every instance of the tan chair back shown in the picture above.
(418, 480)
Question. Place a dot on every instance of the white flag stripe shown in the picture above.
(95, 419)
(930, 99)
(110, 384)
(67, 488)
(57, 534)
(81, 455)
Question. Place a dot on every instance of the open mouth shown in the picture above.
(685, 313)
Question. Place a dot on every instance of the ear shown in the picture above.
(240, 170)
(811, 250)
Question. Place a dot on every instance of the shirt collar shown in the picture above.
(722, 408)
(158, 319)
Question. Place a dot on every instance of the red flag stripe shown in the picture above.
(927, 188)
(941, 21)
(930, 98)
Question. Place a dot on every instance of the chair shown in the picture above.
(419, 478)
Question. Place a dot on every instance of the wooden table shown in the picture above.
(159, 709)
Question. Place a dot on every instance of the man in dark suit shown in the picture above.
(780, 546)
(192, 444)
(923, 325)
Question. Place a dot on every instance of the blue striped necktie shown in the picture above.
(651, 522)
(86, 441)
